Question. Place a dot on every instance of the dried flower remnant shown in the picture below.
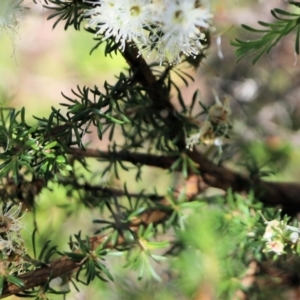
(214, 128)
(10, 228)
(10, 11)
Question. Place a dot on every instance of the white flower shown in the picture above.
(123, 20)
(181, 22)
(10, 11)
(171, 27)
(278, 234)
(192, 140)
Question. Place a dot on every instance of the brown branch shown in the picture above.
(157, 91)
(107, 191)
(285, 194)
(144, 75)
(214, 175)
(270, 193)
(159, 96)
(65, 265)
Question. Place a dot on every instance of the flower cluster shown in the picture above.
(10, 227)
(278, 235)
(169, 27)
(10, 11)
(215, 127)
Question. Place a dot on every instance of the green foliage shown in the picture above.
(286, 23)
(204, 241)
(70, 12)
(231, 231)
(262, 160)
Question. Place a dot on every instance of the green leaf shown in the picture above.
(125, 119)
(60, 159)
(273, 33)
(15, 280)
(284, 12)
(136, 213)
(105, 270)
(50, 145)
(256, 30)
(157, 245)
(113, 119)
(2, 277)
(297, 43)
(114, 237)
(176, 164)
(90, 270)
(298, 248)
(75, 256)
(184, 167)
(159, 257)
(295, 3)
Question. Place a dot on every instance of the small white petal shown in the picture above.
(122, 20)
(181, 22)
(294, 236)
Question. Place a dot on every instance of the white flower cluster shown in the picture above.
(278, 234)
(169, 27)
(10, 11)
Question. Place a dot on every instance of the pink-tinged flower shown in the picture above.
(275, 246)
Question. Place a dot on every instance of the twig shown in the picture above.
(270, 193)
(65, 265)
